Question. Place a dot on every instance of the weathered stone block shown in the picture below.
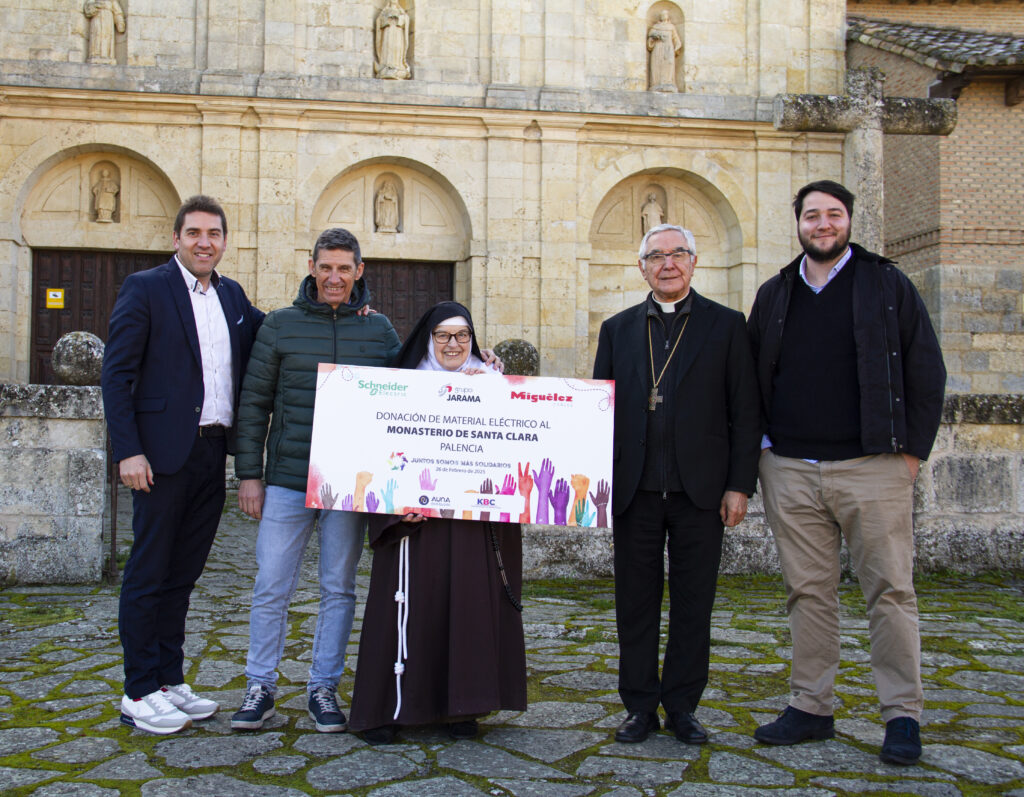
(973, 484)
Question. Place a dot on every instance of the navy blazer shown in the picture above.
(716, 416)
(152, 370)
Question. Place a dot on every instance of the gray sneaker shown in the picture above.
(324, 711)
(257, 707)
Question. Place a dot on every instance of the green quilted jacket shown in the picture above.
(280, 381)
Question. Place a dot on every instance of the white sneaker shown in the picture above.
(153, 713)
(185, 700)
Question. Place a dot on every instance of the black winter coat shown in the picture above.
(899, 363)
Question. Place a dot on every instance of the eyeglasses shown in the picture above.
(658, 258)
(442, 337)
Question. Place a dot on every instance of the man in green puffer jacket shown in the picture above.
(324, 324)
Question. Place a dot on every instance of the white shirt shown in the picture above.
(214, 351)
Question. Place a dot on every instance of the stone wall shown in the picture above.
(52, 469)
(968, 506)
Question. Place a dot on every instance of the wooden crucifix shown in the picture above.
(865, 115)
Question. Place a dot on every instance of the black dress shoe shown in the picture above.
(637, 726)
(385, 734)
(686, 727)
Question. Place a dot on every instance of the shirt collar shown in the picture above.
(682, 306)
(831, 274)
(193, 284)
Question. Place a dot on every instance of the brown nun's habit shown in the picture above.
(466, 655)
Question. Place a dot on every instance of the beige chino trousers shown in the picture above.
(868, 501)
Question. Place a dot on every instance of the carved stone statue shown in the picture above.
(385, 208)
(664, 44)
(651, 214)
(392, 43)
(105, 17)
(104, 194)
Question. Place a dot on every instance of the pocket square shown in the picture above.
(239, 321)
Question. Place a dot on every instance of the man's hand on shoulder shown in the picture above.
(493, 360)
(250, 497)
(733, 508)
(136, 473)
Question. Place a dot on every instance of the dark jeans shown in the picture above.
(694, 551)
(174, 525)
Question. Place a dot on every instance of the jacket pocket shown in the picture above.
(150, 404)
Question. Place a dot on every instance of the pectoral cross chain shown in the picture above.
(654, 400)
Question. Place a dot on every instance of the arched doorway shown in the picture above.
(643, 199)
(90, 220)
(413, 229)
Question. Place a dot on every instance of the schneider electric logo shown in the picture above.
(383, 388)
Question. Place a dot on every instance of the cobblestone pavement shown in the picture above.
(60, 677)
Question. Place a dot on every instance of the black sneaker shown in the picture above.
(794, 725)
(902, 743)
(257, 707)
(324, 711)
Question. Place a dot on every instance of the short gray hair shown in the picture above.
(691, 244)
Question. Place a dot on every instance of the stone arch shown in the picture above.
(435, 223)
(59, 208)
(615, 230)
(147, 203)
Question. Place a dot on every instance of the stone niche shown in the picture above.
(52, 477)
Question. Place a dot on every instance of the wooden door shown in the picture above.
(404, 290)
(91, 280)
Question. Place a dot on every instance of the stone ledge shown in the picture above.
(994, 408)
(51, 401)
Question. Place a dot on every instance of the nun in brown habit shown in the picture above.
(460, 616)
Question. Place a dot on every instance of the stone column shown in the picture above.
(560, 278)
(282, 258)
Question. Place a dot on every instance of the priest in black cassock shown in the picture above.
(686, 452)
(460, 580)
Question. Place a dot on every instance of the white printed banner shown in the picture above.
(485, 447)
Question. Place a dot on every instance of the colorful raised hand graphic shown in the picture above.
(583, 514)
(346, 503)
(604, 492)
(327, 498)
(363, 479)
(579, 483)
(388, 494)
(508, 487)
(487, 488)
(543, 482)
(525, 488)
(371, 502)
(560, 501)
(426, 483)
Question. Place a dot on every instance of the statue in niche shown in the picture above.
(664, 44)
(105, 17)
(104, 194)
(651, 214)
(392, 43)
(385, 208)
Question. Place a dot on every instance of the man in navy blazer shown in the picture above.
(684, 463)
(179, 339)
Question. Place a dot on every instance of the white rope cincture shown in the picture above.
(402, 599)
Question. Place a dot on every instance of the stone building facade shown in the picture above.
(522, 147)
(954, 206)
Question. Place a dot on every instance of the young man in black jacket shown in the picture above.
(851, 380)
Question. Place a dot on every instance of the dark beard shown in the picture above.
(824, 255)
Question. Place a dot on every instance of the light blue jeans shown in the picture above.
(284, 532)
